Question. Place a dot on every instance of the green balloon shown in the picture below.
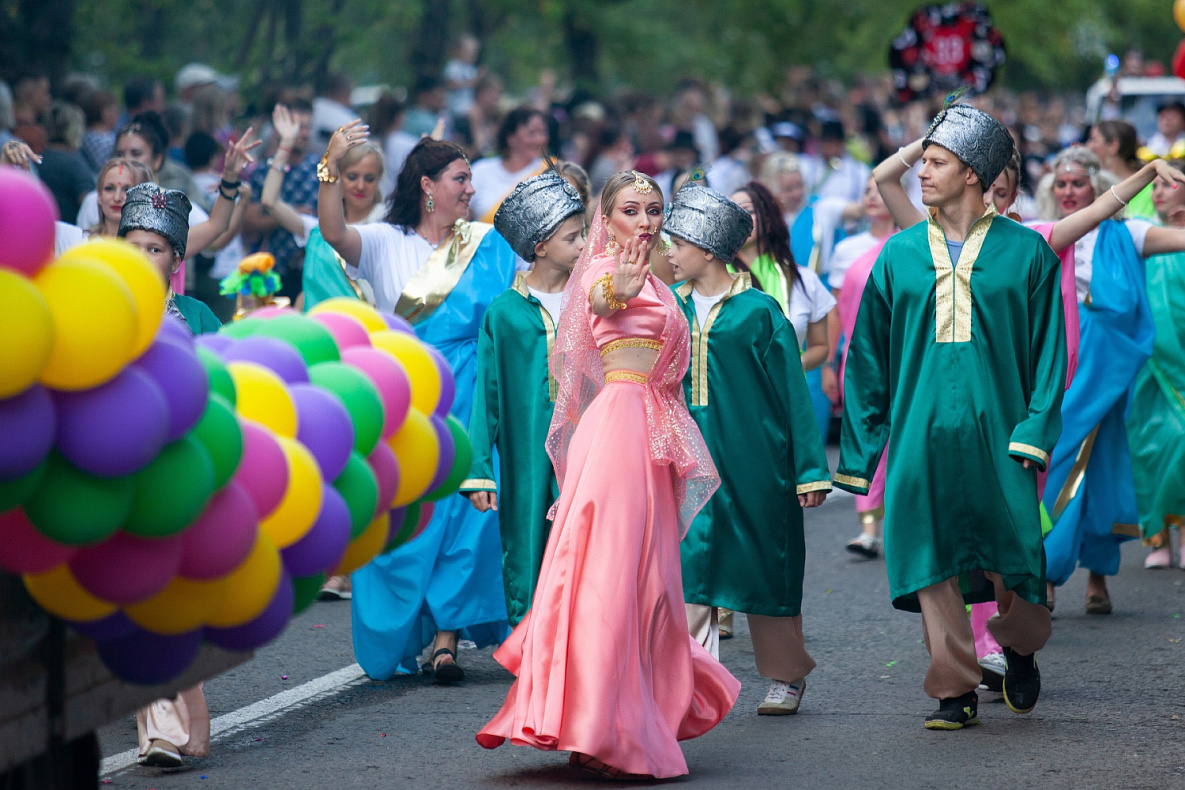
(14, 493)
(244, 327)
(220, 381)
(306, 589)
(360, 397)
(411, 517)
(78, 509)
(309, 337)
(360, 489)
(221, 437)
(172, 490)
(462, 460)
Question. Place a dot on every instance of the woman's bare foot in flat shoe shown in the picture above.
(1098, 600)
(591, 765)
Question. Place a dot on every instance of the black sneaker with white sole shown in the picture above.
(1022, 681)
(955, 713)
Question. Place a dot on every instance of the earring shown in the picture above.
(664, 248)
(431, 205)
(612, 247)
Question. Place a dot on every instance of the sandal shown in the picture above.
(591, 765)
(446, 673)
(1098, 604)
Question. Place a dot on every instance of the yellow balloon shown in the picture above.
(184, 605)
(1179, 14)
(138, 274)
(301, 505)
(250, 587)
(343, 305)
(59, 593)
(421, 368)
(418, 452)
(26, 333)
(95, 321)
(262, 396)
(366, 546)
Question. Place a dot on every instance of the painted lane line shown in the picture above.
(259, 712)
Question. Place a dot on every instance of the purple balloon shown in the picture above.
(114, 429)
(274, 354)
(264, 628)
(398, 323)
(126, 568)
(176, 329)
(448, 451)
(216, 342)
(323, 546)
(324, 426)
(147, 658)
(448, 384)
(395, 521)
(182, 377)
(111, 627)
(28, 424)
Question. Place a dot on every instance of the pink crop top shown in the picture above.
(644, 319)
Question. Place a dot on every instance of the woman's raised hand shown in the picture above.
(629, 273)
(238, 155)
(1169, 173)
(285, 125)
(353, 133)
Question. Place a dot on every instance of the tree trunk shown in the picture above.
(40, 39)
(580, 40)
(427, 58)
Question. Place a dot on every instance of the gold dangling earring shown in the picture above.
(431, 204)
(664, 248)
(612, 247)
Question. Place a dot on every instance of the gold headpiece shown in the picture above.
(641, 185)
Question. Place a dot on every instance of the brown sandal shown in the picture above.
(1098, 604)
(591, 765)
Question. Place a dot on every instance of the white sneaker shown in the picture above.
(782, 699)
(865, 546)
(995, 663)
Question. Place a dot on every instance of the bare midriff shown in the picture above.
(635, 360)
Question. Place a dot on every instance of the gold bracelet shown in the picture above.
(323, 166)
(611, 299)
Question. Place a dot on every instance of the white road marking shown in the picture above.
(259, 712)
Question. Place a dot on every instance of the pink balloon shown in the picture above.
(385, 466)
(271, 312)
(27, 215)
(23, 549)
(263, 472)
(390, 378)
(346, 330)
(126, 568)
(426, 511)
(222, 537)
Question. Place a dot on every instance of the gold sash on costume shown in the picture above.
(488, 217)
(431, 285)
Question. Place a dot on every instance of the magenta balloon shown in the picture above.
(395, 516)
(116, 428)
(271, 312)
(125, 568)
(323, 426)
(275, 355)
(115, 626)
(448, 450)
(146, 658)
(216, 342)
(398, 323)
(323, 546)
(264, 628)
(23, 549)
(182, 377)
(385, 465)
(390, 378)
(222, 536)
(347, 331)
(448, 383)
(173, 328)
(27, 215)
(27, 424)
(263, 472)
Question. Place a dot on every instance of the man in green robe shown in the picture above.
(543, 221)
(958, 358)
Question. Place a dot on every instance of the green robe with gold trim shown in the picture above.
(746, 391)
(512, 408)
(962, 368)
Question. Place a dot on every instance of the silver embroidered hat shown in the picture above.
(977, 138)
(163, 211)
(533, 211)
(708, 220)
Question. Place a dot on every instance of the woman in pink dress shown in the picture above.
(604, 663)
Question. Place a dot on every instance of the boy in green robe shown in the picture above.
(746, 391)
(543, 221)
(958, 358)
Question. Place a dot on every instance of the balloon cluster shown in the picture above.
(158, 492)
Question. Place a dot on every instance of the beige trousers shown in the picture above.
(778, 645)
(183, 721)
(954, 669)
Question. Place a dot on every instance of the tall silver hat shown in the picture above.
(533, 211)
(709, 220)
(977, 138)
(163, 211)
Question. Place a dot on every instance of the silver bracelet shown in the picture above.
(908, 166)
(1115, 195)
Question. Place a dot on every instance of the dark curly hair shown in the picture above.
(429, 158)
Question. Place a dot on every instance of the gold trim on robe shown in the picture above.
(477, 484)
(431, 285)
(1075, 478)
(806, 488)
(520, 285)
(1027, 449)
(952, 286)
(699, 338)
(854, 482)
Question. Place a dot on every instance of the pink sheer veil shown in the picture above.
(575, 362)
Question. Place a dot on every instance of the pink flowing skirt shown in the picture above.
(604, 662)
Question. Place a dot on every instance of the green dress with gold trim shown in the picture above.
(746, 391)
(512, 408)
(962, 367)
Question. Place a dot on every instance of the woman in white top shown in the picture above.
(522, 138)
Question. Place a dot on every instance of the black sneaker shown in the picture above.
(1022, 681)
(955, 713)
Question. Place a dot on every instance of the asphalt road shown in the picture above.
(1112, 710)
